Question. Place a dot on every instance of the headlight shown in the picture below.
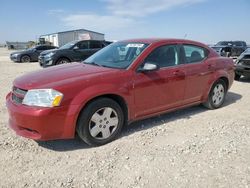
(15, 55)
(43, 98)
(50, 54)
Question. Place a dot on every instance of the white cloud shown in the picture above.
(122, 14)
(140, 8)
(97, 22)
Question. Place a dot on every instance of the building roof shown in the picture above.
(72, 31)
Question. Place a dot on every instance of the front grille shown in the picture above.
(19, 91)
(245, 62)
(18, 95)
(17, 99)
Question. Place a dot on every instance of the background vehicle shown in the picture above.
(230, 48)
(243, 65)
(30, 54)
(124, 82)
(71, 52)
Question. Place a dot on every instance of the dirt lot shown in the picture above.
(194, 147)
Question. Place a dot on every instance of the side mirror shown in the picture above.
(148, 67)
(34, 50)
(76, 48)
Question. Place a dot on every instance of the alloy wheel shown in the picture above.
(103, 123)
(218, 94)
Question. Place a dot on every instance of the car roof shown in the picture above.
(156, 40)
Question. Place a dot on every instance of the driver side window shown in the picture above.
(83, 45)
(164, 56)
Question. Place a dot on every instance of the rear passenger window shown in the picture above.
(95, 44)
(83, 45)
(164, 56)
(194, 54)
(51, 47)
(41, 48)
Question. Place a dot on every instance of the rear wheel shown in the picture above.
(100, 122)
(25, 59)
(62, 61)
(237, 76)
(216, 95)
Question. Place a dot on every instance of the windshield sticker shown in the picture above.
(135, 45)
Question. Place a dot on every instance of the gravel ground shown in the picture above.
(194, 147)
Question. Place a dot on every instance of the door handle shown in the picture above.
(178, 73)
(211, 67)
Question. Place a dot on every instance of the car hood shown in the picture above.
(48, 51)
(59, 75)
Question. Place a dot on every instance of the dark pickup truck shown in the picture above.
(71, 52)
(243, 65)
(230, 48)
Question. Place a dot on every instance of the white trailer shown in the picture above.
(61, 38)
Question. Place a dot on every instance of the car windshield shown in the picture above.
(68, 45)
(117, 55)
(224, 43)
(238, 43)
(34, 47)
(247, 50)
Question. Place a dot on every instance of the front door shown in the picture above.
(81, 51)
(162, 89)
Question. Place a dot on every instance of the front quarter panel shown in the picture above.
(120, 87)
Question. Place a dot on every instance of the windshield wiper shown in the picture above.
(93, 63)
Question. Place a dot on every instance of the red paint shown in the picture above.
(146, 94)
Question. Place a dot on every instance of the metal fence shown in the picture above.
(17, 45)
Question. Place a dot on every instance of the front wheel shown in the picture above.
(100, 122)
(25, 59)
(216, 95)
(62, 61)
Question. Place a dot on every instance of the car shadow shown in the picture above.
(187, 113)
(244, 79)
(64, 145)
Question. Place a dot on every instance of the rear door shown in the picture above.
(37, 52)
(197, 70)
(94, 46)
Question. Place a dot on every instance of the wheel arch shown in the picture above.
(63, 57)
(225, 79)
(211, 83)
(24, 55)
(117, 98)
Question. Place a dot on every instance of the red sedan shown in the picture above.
(126, 81)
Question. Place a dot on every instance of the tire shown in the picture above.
(216, 95)
(237, 77)
(94, 124)
(62, 61)
(25, 59)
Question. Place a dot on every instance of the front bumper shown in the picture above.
(42, 123)
(45, 62)
(242, 70)
(14, 58)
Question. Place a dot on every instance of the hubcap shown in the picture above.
(63, 62)
(25, 59)
(103, 123)
(218, 94)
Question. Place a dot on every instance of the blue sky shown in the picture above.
(207, 21)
